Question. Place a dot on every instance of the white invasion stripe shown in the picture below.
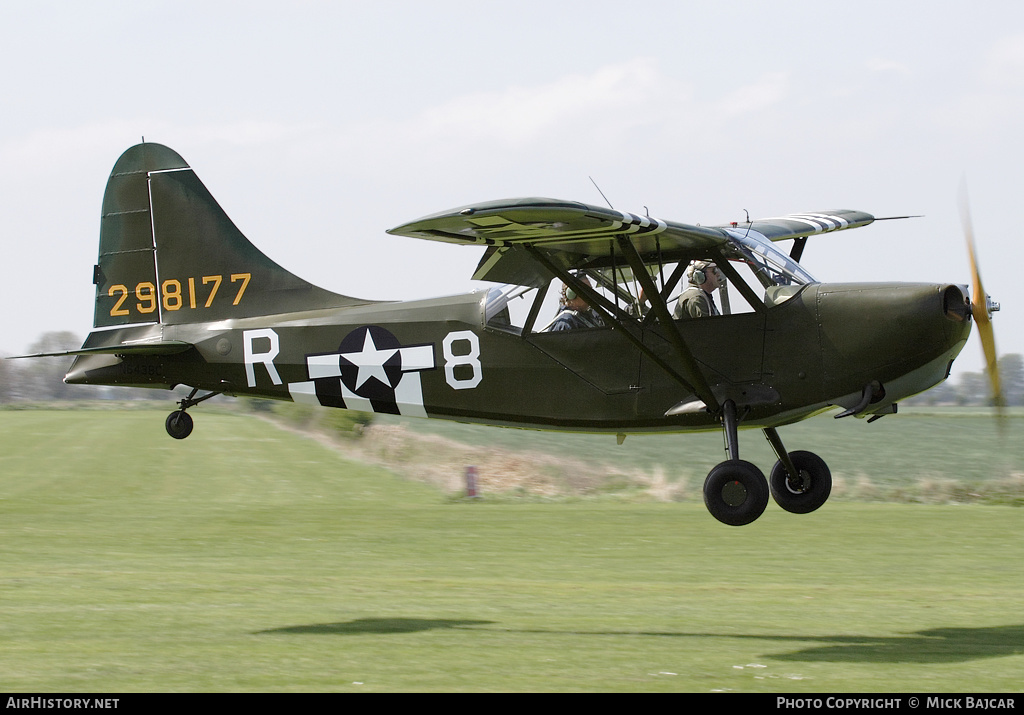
(409, 395)
(323, 366)
(354, 401)
(638, 221)
(644, 224)
(303, 392)
(818, 228)
(826, 222)
(838, 220)
(417, 357)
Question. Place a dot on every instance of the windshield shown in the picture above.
(772, 266)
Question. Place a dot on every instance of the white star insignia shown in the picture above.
(370, 362)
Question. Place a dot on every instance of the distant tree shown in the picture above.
(1011, 375)
(8, 380)
(975, 388)
(945, 393)
(43, 378)
(972, 389)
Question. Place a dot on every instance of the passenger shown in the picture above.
(697, 301)
(574, 312)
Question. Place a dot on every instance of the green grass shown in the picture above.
(247, 558)
(922, 454)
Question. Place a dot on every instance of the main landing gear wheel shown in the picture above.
(736, 492)
(179, 424)
(808, 490)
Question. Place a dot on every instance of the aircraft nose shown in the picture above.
(883, 332)
(956, 303)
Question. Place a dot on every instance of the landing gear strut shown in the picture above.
(736, 492)
(179, 423)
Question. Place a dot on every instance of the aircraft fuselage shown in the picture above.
(439, 358)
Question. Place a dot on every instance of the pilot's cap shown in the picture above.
(696, 274)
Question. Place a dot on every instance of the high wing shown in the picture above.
(568, 225)
(806, 224)
(571, 234)
(568, 232)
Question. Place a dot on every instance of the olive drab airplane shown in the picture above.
(184, 299)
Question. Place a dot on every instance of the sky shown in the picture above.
(319, 125)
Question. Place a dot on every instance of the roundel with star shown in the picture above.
(371, 362)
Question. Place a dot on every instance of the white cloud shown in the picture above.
(767, 91)
(1004, 63)
(520, 115)
(52, 149)
(885, 66)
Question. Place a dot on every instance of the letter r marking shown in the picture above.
(266, 358)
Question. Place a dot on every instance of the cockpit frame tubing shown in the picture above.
(608, 311)
(538, 302)
(736, 279)
(667, 288)
(660, 307)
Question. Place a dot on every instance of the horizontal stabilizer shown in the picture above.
(158, 347)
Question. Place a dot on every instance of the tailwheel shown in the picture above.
(179, 424)
(736, 492)
(807, 489)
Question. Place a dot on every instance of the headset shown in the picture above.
(698, 277)
(700, 272)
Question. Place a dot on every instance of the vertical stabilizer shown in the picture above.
(127, 261)
(169, 254)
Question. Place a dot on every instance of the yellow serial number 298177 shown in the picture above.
(173, 295)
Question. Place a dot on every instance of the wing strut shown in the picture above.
(659, 306)
(668, 287)
(617, 317)
(531, 319)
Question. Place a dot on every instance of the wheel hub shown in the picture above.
(734, 493)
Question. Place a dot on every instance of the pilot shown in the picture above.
(574, 312)
(697, 301)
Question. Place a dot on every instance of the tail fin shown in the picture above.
(169, 254)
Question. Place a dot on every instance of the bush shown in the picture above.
(346, 423)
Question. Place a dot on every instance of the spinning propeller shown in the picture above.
(982, 307)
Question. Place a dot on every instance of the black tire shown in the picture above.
(736, 492)
(179, 424)
(806, 493)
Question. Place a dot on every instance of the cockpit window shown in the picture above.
(753, 259)
(772, 266)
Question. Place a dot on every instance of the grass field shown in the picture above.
(924, 456)
(247, 558)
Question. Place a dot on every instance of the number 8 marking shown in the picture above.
(471, 358)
